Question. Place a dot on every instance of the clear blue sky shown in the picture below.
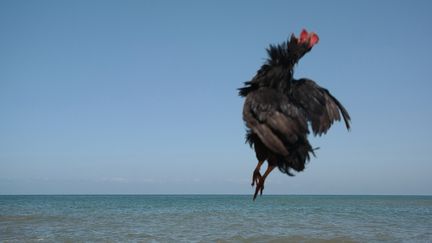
(140, 96)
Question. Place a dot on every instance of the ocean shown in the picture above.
(215, 218)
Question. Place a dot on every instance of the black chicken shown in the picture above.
(278, 109)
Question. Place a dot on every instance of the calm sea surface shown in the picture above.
(218, 218)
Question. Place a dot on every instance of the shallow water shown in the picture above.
(215, 218)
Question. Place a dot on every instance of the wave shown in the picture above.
(284, 239)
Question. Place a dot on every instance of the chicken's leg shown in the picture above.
(260, 183)
(256, 176)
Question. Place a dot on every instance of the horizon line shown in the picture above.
(202, 194)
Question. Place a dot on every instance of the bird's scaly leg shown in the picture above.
(260, 184)
(256, 176)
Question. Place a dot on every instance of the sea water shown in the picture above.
(215, 218)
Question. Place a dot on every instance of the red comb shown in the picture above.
(303, 36)
(313, 39)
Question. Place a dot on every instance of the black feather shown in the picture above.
(278, 108)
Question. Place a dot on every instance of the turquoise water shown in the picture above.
(216, 218)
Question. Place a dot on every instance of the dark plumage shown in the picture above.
(278, 109)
